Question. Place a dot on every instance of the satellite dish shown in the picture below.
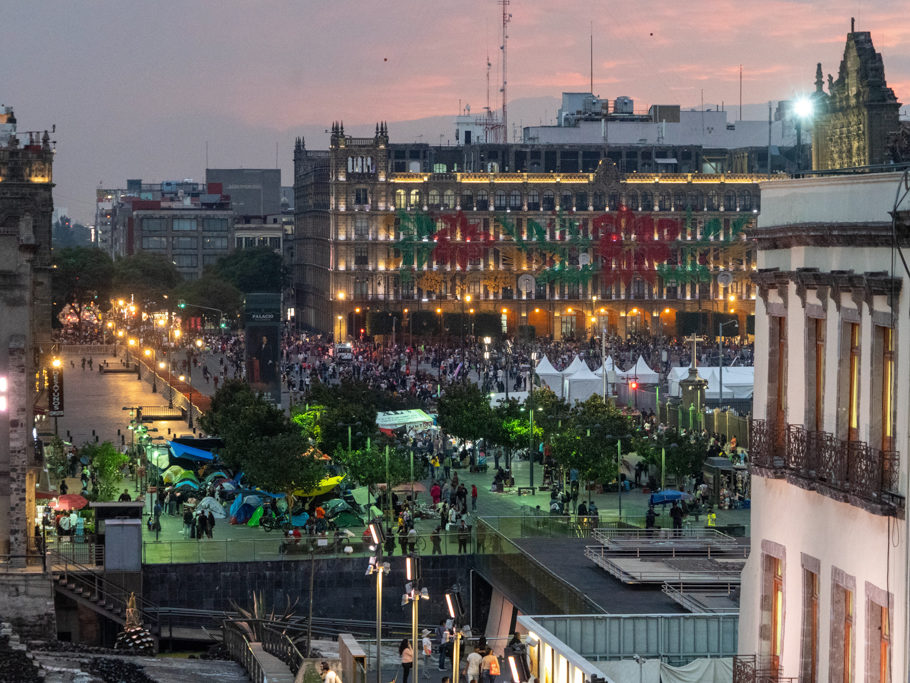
(584, 259)
(725, 278)
(526, 283)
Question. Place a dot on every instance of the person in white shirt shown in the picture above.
(472, 667)
(328, 676)
(426, 647)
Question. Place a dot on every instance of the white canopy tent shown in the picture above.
(608, 367)
(581, 384)
(549, 376)
(641, 372)
(739, 381)
(576, 365)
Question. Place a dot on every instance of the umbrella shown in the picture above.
(70, 501)
(668, 495)
(171, 473)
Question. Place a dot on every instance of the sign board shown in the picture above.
(263, 339)
(55, 392)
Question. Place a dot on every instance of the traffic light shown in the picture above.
(633, 385)
(181, 303)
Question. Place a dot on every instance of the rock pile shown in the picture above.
(16, 665)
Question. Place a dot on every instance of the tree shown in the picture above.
(370, 466)
(106, 462)
(685, 453)
(349, 408)
(464, 411)
(147, 276)
(81, 276)
(259, 269)
(65, 233)
(212, 292)
(261, 440)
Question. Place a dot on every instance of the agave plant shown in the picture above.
(259, 615)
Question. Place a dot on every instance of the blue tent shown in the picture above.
(180, 450)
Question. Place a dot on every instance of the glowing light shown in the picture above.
(505, 311)
(148, 352)
(177, 333)
(439, 310)
(537, 310)
(341, 295)
(666, 310)
(56, 363)
(132, 342)
(803, 108)
(198, 343)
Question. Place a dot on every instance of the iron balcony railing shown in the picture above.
(851, 471)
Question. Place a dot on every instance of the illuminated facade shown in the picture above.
(824, 591)
(564, 253)
(26, 207)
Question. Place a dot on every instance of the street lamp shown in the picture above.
(378, 567)
(189, 421)
(154, 354)
(720, 358)
(455, 609)
(413, 594)
(803, 108)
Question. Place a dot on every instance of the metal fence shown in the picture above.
(88, 350)
(724, 422)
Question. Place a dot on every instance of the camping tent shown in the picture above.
(576, 365)
(180, 450)
(610, 368)
(582, 384)
(739, 381)
(549, 376)
(640, 372)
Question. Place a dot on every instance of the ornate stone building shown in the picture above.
(855, 119)
(564, 253)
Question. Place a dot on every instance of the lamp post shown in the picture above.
(189, 420)
(154, 354)
(720, 358)
(531, 454)
(377, 567)
(455, 609)
(413, 593)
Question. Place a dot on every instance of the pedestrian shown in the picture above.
(201, 523)
(209, 524)
(188, 523)
(650, 519)
(489, 667)
(63, 487)
(125, 496)
(442, 637)
(436, 540)
(473, 497)
(328, 676)
(472, 666)
(464, 535)
(407, 659)
(676, 515)
(426, 647)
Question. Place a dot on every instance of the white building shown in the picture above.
(824, 593)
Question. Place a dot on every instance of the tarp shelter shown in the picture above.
(581, 384)
(180, 450)
(395, 419)
(739, 381)
(520, 396)
(640, 372)
(549, 376)
(210, 504)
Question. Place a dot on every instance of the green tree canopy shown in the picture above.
(464, 411)
(349, 406)
(106, 462)
(212, 292)
(260, 440)
(65, 233)
(147, 276)
(259, 269)
(685, 453)
(82, 276)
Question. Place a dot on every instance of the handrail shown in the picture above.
(279, 644)
(239, 646)
(105, 589)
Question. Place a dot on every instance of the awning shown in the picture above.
(183, 451)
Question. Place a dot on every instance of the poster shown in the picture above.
(263, 344)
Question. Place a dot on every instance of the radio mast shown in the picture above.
(506, 18)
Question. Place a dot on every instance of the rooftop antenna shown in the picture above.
(740, 92)
(506, 18)
(592, 57)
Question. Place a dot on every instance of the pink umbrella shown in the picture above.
(70, 501)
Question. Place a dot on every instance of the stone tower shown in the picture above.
(858, 114)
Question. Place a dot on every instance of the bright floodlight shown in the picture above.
(803, 108)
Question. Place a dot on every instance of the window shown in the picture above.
(581, 201)
(632, 200)
(565, 201)
(414, 201)
(153, 225)
(515, 200)
(483, 202)
(361, 196)
(729, 200)
(448, 199)
(185, 242)
(549, 200)
(777, 375)
(499, 200)
(772, 602)
(401, 199)
(816, 385)
(533, 200)
(713, 200)
(215, 224)
(679, 201)
(664, 203)
(210, 259)
(433, 199)
(647, 201)
(361, 288)
(853, 380)
(467, 201)
(186, 260)
(440, 168)
(184, 225)
(745, 201)
(841, 660)
(878, 636)
(361, 256)
(212, 242)
(809, 639)
(885, 340)
(600, 201)
(154, 242)
(361, 227)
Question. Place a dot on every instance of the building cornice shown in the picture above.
(865, 234)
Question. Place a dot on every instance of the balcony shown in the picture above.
(849, 471)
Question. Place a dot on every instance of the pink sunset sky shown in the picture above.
(137, 89)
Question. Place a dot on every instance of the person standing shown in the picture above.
(209, 523)
(407, 659)
(473, 498)
(188, 523)
(442, 637)
(489, 667)
(676, 515)
(328, 676)
(426, 646)
(472, 667)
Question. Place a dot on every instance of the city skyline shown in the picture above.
(154, 91)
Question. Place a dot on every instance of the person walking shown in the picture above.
(489, 667)
(209, 523)
(473, 497)
(472, 666)
(442, 637)
(187, 523)
(407, 659)
(426, 646)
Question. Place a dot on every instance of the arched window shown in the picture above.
(483, 202)
(401, 199)
(647, 201)
(467, 201)
(713, 200)
(499, 200)
(581, 201)
(433, 200)
(600, 201)
(745, 201)
(614, 201)
(533, 200)
(515, 200)
(415, 199)
(565, 201)
(664, 203)
(729, 200)
(692, 201)
(448, 199)
(632, 201)
(549, 200)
